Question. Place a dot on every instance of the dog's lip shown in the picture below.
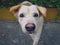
(31, 32)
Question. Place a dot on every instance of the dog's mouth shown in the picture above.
(30, 27)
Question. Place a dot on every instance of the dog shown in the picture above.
(31, 19)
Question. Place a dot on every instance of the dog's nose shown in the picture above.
(30, 27)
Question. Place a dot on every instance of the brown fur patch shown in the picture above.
(14, 9)
(26, 3)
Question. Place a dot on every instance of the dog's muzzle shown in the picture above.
(30, 27)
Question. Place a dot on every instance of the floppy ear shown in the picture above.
(42, 10)
(14, 9)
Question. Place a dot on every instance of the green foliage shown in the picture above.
(46, 3)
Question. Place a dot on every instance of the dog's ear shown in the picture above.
(42, 10)
(14, 9)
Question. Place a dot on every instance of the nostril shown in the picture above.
(30, 27)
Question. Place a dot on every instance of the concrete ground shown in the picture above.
(11, 34)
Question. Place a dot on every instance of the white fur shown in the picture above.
(28, 11)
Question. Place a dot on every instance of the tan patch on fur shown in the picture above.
(14, 8)
(26, 3)
(42, 10)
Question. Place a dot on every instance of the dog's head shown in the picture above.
(28, 15)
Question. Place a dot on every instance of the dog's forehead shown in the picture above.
(28, 9)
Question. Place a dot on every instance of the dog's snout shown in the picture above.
(30, 27)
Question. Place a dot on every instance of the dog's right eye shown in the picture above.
(22, 15)
(35, 15)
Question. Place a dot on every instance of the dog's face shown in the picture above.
(29, 17)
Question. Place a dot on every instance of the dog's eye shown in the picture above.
(35, 15)
(21, 15)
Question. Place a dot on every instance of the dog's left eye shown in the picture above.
(35, 15)
(21, 15)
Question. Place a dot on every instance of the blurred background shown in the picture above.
(10, 30)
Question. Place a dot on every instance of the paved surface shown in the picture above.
(11, 34)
